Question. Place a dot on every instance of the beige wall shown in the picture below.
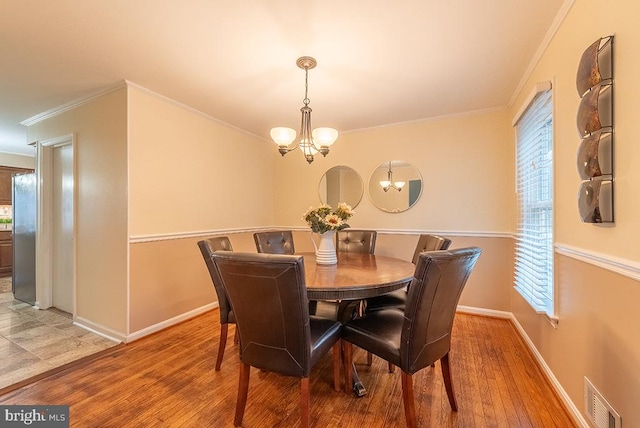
(488, 287)
(100, 128)
(598, 329)
(18, 161)
(467, 167)
(188, 174)
(466, 163)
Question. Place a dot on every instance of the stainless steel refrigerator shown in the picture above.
(24, 237)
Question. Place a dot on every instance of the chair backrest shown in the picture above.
(207, 248)
(269, 298)
(356, 241)
(278, 242)
(430, 243)
(438, 281)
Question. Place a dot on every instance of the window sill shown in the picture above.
(553, 320)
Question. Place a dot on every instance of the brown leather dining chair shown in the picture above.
(352, 241)
(277, 335)
(421, 335)
(276, 242)
(398, 298)
(427, 242)
(356, 241)
(207, 248)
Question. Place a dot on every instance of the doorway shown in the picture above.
(62, 228)
(56, 217)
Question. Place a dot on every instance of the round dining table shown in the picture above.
(356, 276)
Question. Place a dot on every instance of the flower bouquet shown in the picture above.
(325, 218)
(324, 221)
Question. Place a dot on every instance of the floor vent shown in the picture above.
(600, 412)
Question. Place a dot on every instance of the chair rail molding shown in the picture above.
(479, 234)
(137, 239)
(625, 267)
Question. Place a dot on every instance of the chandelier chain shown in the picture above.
(306, 87)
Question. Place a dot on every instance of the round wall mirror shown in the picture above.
(341, 184)
(395, 186)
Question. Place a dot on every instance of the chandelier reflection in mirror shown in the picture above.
(389, 183)
(310, 142)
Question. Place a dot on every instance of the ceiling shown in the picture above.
(379, 61)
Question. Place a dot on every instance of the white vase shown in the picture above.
(326, 249)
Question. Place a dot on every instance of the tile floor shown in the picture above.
(34, 341)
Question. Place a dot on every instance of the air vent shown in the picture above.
(600, 412)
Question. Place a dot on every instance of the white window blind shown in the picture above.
(534, 185)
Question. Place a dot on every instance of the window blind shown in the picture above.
(534, 185)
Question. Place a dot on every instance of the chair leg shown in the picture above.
(223, 343)
(347, 359)
(337, 349)
(446, 374)
(408, 400)
(392, 368)
(236, 337)
(304, 402)
(243, 389)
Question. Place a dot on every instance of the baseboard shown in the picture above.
(172, 321)
(485, 312)
(571, 407)
(99, 329)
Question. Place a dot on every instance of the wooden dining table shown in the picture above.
(356, 276)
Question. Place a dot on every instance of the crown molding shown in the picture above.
(190, 109)
(555, 26)
(72, 104)
(429, 119)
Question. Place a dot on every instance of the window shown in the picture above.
(534, 186)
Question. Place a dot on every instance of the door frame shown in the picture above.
(44, 214)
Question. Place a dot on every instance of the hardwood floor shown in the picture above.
(168, 380)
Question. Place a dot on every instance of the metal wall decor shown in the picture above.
(594, 82)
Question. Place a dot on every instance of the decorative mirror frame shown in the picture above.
(394, 200)
(350, 195)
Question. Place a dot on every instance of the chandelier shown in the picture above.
(310, 142)
(389, 183)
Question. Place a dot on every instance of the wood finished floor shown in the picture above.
(168, 380)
